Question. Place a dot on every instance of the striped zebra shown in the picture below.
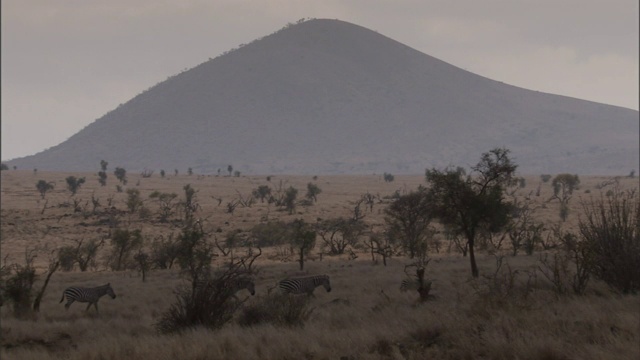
(304, 285)
(413, 284)
(409, 284)
(88, 295)
(241, 284)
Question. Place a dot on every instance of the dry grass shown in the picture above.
(364, 317)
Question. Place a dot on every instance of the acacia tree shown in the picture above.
(102, 174)
(121, 175)
(312, 192)
(73, 184)
(303, 238)
(166, 207)
(289, 201)
(467, 203)
(408, 219)
(563, 186)
(339, 233)
(124, 242)
(43, 187)
(262, 192)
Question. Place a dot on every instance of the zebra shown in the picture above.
(304, 284)
(409, 284)
(88, 295)
(413, 284)
(242, 283)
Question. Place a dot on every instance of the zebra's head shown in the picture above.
(326, 283)
(110, 291)
(251, 287)
(247, 283)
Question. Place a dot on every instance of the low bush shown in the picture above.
(277, 309)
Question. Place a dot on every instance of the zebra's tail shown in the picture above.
(61, 300)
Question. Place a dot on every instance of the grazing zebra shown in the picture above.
(304, 284)
(90, 295)
(409, 284)
(414, 284)
(243, 283)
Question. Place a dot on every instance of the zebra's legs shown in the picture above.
(66, 306)
(94, 304)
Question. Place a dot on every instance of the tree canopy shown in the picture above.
(468, 203)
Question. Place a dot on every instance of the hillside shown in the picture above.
(326, 96)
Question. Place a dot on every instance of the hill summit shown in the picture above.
(327, 97)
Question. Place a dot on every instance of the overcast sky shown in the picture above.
(66, 63)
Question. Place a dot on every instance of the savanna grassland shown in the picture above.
(511, 311)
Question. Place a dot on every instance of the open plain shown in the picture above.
(511, 312)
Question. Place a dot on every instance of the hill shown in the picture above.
(326, 96)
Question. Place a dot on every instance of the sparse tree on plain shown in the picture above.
(262, 192)
(339, 233)
(467, 203)
(165, 203)
(302, 238)
(74, 184)
(121, 175)
(43, 187)
(289, 200)
(312, 192)
(134, 200)
(408, 219)
(102, 178)
(123, 243)
(563, 186)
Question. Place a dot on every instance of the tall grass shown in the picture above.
(366, 316)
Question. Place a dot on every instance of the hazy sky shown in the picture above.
(66, 63)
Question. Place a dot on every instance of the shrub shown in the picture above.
(164, 252)
(67, 256)
(277, 309)
(269, 234)
(611, 231)
(262, 192)
(207, 303)
(134, 200)
(19, 287)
